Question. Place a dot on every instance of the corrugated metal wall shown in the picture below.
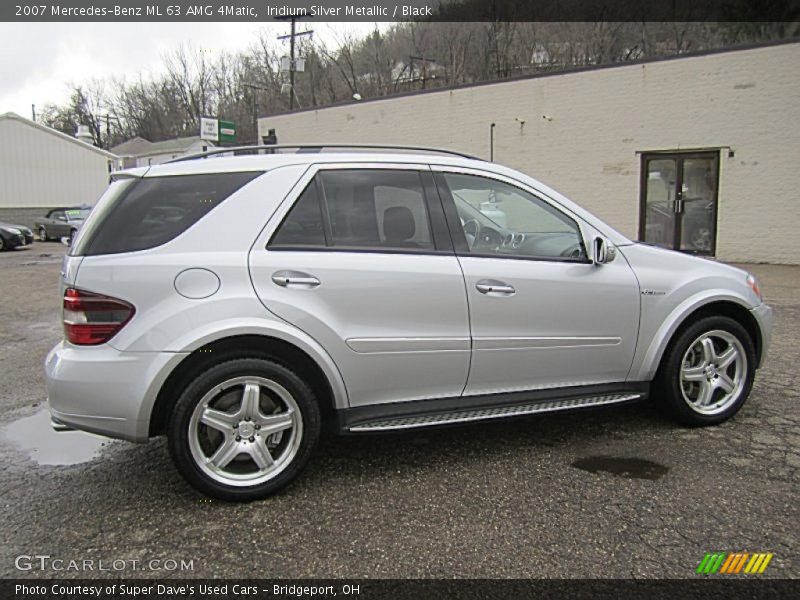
(39, 169)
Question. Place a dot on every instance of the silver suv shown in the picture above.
(239, 303)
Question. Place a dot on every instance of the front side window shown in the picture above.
(501, 219)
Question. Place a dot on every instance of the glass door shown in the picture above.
(679, 201)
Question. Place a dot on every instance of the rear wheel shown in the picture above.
(707, 372)
(244, 429)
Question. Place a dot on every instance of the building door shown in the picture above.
(678, 207)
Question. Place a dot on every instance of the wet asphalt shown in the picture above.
(619, 492)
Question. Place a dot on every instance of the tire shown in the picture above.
(707, 372)
(2, 244)
(43, 234)
(217, 440)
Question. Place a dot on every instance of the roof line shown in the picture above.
(316, 148)
(55, 132)
(565, 71)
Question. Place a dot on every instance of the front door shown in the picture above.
(542, 315)
(679, 201)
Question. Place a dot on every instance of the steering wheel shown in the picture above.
(574, 251)
(477, 226)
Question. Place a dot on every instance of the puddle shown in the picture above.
(629, 468)
(36, 438)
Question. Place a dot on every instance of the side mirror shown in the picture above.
(603, 251)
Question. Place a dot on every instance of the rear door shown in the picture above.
(358, 257)
(58, 225)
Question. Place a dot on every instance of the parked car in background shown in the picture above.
(13, 236)
(61, 222)
(240, 303)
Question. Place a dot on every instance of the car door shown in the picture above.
(359, 257)
(542, 314)
(57, 225)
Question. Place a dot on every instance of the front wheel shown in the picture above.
(243, 429)
(707, 372)
(43, 234)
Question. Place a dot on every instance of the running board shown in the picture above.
(494, 412)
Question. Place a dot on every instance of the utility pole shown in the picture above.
(33, 112)
(291, 37)
(255, 87)
(108, 118)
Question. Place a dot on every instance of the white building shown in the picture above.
(697, 152)
(41, 168)
(139, 152)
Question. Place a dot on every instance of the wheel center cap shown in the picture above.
(711, 370)
(246, 430)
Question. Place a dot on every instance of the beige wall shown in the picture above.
(42, 169)
(583, 132)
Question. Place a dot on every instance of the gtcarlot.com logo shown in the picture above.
(734, 563)
(45, 562)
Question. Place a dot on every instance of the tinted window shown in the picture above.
(303, 225)
(381, 209)
(148, 212)
(498, 218)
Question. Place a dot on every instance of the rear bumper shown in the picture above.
(763, 316)
(16, 241)
(105, 391)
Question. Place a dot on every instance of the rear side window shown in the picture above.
(378, 209)
(375, 209)
(303, 224)
(152, 211)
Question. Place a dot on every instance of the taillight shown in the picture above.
(91, 319)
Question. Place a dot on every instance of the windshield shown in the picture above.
(77, 214)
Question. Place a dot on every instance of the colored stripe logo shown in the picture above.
(734, 563)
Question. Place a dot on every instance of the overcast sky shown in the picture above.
(38, 61)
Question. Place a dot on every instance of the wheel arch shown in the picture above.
(689, 312)
(328, 387)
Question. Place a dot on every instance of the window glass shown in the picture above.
(303, 225)
(382, 209)
(502, 219)
(148, 212)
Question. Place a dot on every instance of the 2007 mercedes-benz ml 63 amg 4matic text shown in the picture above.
(239, 303)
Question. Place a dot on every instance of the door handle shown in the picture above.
(495, 288)
(295, 279)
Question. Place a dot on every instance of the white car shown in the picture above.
(239, 303)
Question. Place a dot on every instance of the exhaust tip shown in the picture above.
(58, 425)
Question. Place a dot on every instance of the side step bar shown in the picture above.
(493, 412)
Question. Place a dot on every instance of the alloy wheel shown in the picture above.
(245, 431)
(713, 372)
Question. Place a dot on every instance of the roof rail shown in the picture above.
(309, 148)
